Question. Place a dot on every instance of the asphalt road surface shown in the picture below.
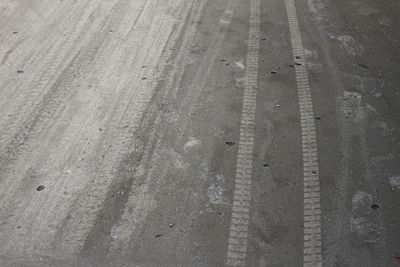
(199, 133)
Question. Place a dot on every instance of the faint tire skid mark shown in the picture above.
(238, 236)
(312, 211)
(201, 78)
(104, 56)
(129, 112)
(134, 207)
(56, 102)
(58, 53)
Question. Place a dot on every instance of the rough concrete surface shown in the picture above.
(121, 131)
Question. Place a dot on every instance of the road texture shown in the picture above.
(199, 133)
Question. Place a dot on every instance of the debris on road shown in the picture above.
(40, 188)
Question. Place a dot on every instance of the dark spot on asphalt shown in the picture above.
(273, 72)
(363, 66)
(14, 32)
(291, 65)
(227, 64)
(264, 39)
(144, 78)
(223, 60)
(375, 206)
(143, 66)
(314, 172)
(100, 129)
(297, 56)
(20, 71)
(40, 188)
(158, 235)
(297, 64)
(230, 143)
(317, 118)
(266, 165)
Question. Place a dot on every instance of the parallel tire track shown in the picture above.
(238, 234)
(312, 209)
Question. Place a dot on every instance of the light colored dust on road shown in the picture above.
(88, 71)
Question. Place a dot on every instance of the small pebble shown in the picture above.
(375, 206)
(40, 188)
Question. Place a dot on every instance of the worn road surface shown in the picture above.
(199, 133)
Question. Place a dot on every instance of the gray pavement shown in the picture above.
(199, 133)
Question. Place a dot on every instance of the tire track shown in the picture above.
(134, 211)
(26, 102)
(126, 119)
(312, 210)
(81, 63)
(238, 234)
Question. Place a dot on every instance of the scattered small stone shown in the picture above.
(171, 225)
(375, 206)
(20, 71)
(266, 165)
(273, 72)
(230, 143)
(158, 235)
(40, 188)
(297, 64)
(277, 105)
